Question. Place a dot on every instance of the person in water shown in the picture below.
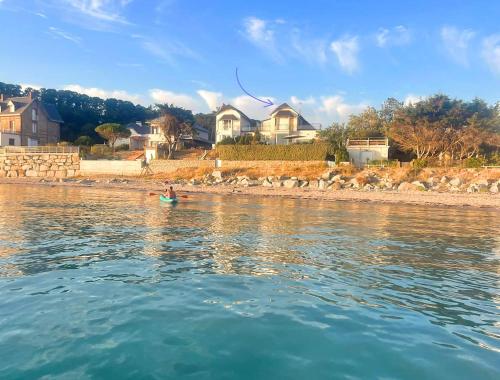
(171, 193)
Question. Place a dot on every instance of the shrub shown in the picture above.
(122, 147)
(341, 155)
(83, 141)
(295, 152)
(387, 163)
(419, 163)
(474, 162)
(101, 150)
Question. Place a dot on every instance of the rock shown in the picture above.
(482, 183)
(444, 179)
(456, 182)
(322, 184)
(327, 176)
(313, 184)
(266, 183)
(291, 183)
(217, 174)
(303, 184)
(335, 186)
(495, 188)
(31, 173)
(406, 186)
(368, 187)
(277, 183)
(193, 182)
(337, 178)
(419, 185)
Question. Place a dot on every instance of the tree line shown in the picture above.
(435, 128)
(82, 114)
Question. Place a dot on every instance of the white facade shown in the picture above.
(361, 152)
(231, 123)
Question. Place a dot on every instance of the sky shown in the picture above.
(328, 59)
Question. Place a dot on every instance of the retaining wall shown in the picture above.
(267, 164)
(170, 166)
(110, 167)
(59, 165)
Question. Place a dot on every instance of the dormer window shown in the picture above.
(34, 115)
(12, 107)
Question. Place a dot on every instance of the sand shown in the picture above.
(476, 200)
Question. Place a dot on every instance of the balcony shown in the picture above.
(376, 141)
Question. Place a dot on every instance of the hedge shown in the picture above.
(295, 152)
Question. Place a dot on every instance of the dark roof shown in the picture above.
(20, 104)
(140, 129)
(280, 107)
(52, 113)
(304, 125)
(226, 107)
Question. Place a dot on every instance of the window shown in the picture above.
(12, 142)
(227, 124)
(34, 127)
(34, 114)
(12, 125)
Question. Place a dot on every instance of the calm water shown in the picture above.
(107, 284)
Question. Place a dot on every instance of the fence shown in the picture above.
(39, 149)
(368, 142)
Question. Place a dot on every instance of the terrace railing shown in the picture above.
(368, 142)
(39, 149)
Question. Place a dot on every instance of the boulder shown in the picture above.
(303, 183)
(277, 183)
(368, 187)
(266, 183)
(444, 179)
(31, 173)
(217, 174)
(322, 184)
(291, 183)
(314, 184)
(406, 186)
(495, 187)
(455, 182)
(327, 176)
(419, 185)
(335, 186)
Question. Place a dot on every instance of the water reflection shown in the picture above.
(389, 260)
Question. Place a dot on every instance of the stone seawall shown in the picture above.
(58, 165)
(268, 164)
(170, 166)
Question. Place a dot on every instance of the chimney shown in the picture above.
(1, 97)
(30, 95)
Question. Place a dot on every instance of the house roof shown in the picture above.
(282, 106)
(52, 113)
(229, 117)
(226, 107)
(141, 129)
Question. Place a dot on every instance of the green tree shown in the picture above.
(336, 136)
(84, 141)
(112, 132)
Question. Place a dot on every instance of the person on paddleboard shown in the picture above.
(171, 193)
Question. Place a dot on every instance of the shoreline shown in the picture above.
(476, 200)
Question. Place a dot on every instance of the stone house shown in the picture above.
(284, 126)
(25, 121)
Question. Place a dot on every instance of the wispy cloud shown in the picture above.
(491, 52)
(166, 51)
(399, 35)
(413, 99)
(313, 51)
(105, 94)
(169, 97)
(456, 43)
(346, 49)
(59, 33)
(105, 10)
(260, 33)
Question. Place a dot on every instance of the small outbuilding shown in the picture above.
(362, 151)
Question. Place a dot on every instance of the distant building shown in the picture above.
(362, 151)
(231, 122)
(284, 126)
(149, 134)
(28, 122)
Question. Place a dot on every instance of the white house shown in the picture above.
(284, 126)
(287, 126)
(362, 151)
(231, 122)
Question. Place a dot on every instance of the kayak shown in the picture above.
(169, 200)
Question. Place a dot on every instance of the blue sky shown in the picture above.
(326, 58)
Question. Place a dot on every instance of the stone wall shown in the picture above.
(170, 166)
(58, 165)
(267, 164)
(111, 167)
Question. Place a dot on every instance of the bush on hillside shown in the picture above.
(101, 150)
(474, 162)
(295, 152)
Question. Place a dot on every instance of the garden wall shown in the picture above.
(58, 165)
(111, 167)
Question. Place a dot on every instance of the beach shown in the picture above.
(154, 187)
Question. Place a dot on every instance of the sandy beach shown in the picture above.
(476, 200)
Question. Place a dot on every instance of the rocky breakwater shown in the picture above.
(365, 181)
(57, 165)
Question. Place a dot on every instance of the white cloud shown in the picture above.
(30, 85)
(213, 99)
(346, 50)
(456, 43)
(399, 35)
(104, 10)
(59, 33)
(259, 32)
(413, 99)
(491, 52)
(105, 94)
(180, 100)
(337, 109)
(296, 101)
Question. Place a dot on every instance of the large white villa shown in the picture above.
(284, 126)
